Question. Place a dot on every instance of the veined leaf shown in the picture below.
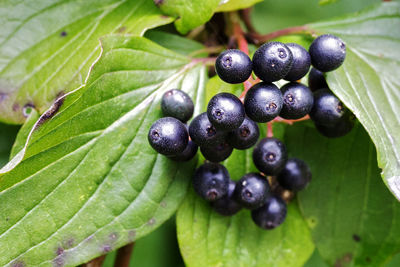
(89, 182)
(47, 47)
(232, 5)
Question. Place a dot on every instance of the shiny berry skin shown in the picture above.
(316, 80)
(252, 190)
(270, 156)
(211, 181)
(227, 205)
(295, 176)
(272, 61)
(168, 136)
(301, 62)
(271, 214)
(176, 103)
(225, 111)
(339, 129)
(233, 66)
(297, 101)
(327, 109)
(187, 154)
(263, 102)
(327, 52)
(218, 152)
(203, 133)
(245, 136)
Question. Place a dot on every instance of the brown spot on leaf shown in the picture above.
(18, 264)
(163, 204)
(68, 243)
(344, 260)
(114, 236)
(15, 107)
(63, 34)
(356, 238)
(158, 2)
(151, 221)
(50, 112)
(59, 251)
(106, 248)
(58, 262)
(3, 96)
(27, 109)
(121, 29)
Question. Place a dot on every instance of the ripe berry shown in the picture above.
(341, 128)
(301, 62)
(225, 111)
(233, 66)
(245, 136)
(297, 101)
(176, 103)
(316, 80)
(295, 176)
(203, 133)
(218, 152)
(227, 205)
(327, 109)
(270, 156)
(211, 181)
(187, 154)
(327, 52)
(272, 61)
(252, 190)
(271, 215)
(263, 102)
(168, 136)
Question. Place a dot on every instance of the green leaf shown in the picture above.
(327, 2)
(353, 219)
(232, 5)
(189, 14)
(47, 49)
(368, 80)
(89, 182)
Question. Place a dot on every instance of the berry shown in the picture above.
(168, 136)
(203, 133)
(295, 176)
(176, 103)
(301, 62)
(187, 154)
(227, 205)
(251, 190)
(233, 66)
(225, 111)
(316, 80)
(218, 152)
(271, 215)
(211, 181)
(270, 156)
(297, 101)
(327, 52)
(272, 61)
(263, 102)
(327, 109)
(341, 128)
(245, 136)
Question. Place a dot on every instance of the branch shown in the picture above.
(97, 262)
(124, 256)
(259, 38)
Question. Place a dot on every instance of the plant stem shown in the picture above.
(97, 262)
(208, 50)
(124, 256)
(259, 38)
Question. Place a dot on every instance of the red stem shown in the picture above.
(259, 38)
(124, 256)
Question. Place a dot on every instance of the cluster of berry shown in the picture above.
(228, 123)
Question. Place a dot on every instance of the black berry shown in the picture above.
(245, 136)
(187, 154)
(295, 176)
(270, 156)
(327, 109)
(252, 190)
(203, 133)
(176, 103)
(301, 62)
(316, 80)
(233, 66)
(225, 111)
(341, 128)
(168, 136)
(271, 214)
(327, 52)
(297, 101)
(227, 205)
(218, 152)
(272, 61)
(211, 181)
(263, 102)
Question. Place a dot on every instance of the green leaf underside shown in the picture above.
(209, 239)
(368, 80)
(232, 5)
(353, 218)
(89, 181)
(46, 49)
(7, 136)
